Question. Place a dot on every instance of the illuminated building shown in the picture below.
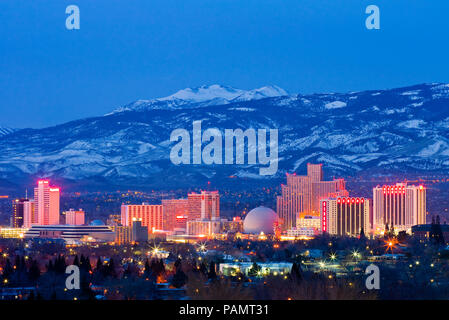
(302, 232)
(309, 222)
(123, 234)
(17, 217)
(260, 219)
(150, 215)
(29, 213)
(401, 206)
(266, 268)
(113, 220)
(12, 233)
(46, 200)
(203, 227)
(175, 213)
(233, 226)
(424, 231)
(302, 194)
(204, 205)
(308, 226)
(74, 217)
(344, 216)
(139, 231)
(72, 234)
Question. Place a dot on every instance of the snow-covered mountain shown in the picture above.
(203, 96)
(404, 130)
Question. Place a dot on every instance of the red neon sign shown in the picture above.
(324, 216)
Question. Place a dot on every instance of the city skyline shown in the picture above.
(400, 206)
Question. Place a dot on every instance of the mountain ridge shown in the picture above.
(394, 131)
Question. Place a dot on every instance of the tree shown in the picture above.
(76, 261)
(296, 273)
(99, 265)
(212, 274)
(7, 270)
(436, 233)
(362, 234)
(34, 272)
(203, 268)
(255, 270)
(180, 278)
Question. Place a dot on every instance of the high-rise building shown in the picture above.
(74, 217)
(139, 231)
(18, 210)
(344, 216)
(29, 214)
(302, 194)
(204, 205)
(150, 215)
(175, 213)
(401, 206)
(123, 234)
(203, 227)
(46, 200)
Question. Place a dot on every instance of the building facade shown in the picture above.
(29, 214)
(302, 194)
(345, 216)
(150, 215)
(75, 217)
(18, 212)
(123, 235)
(204, 205)
(46, 200)
(203, 227)
(401, 206)
(175, 213)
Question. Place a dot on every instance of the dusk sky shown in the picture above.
(143, 49)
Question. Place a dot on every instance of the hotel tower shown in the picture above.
(302, 194)
(46, 201)
(401, 206)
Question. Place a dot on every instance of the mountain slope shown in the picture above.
(386, 131)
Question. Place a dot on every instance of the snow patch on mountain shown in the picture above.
(335, 105)
(204, 96)
(412, 124)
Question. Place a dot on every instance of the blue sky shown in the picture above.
(141, 49)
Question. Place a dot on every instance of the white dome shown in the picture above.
(260, 219)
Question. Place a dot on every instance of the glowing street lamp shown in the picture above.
(356, 254)
(390, 244)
